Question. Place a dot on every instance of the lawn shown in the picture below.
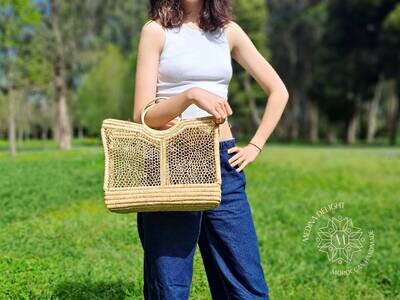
(58, 241)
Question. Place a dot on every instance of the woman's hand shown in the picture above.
(243, 156)
(212, 103)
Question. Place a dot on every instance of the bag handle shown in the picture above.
(152, 102)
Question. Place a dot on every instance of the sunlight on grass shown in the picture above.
(57, 238)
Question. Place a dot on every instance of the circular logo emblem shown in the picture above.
(340, 239)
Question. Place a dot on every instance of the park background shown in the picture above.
(67, 65)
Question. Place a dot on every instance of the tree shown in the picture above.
(295, 32)
(390, 51)
(101, 94)
(18, 20)
(349, 70)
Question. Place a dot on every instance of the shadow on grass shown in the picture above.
(97, 290)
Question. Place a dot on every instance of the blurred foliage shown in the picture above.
(101, 93)
(332, 56)
(19, 21)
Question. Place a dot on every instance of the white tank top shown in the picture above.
(192, 57)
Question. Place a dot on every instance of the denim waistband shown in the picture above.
(228, 143)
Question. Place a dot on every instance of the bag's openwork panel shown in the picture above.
(190, 157)
(134, 159)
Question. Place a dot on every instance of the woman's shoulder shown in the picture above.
(234, 33)
(232, 27)
(152, 34)
(152, 25)
(152, 28)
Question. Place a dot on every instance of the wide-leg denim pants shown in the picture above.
(227, 241)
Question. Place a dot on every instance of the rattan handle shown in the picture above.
(149, 105)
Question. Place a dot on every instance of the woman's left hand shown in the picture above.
(243, 156)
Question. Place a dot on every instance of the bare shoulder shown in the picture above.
(233, 26)
(152, 33)
(234, 33)
(152, 27)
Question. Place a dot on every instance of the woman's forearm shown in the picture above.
(273, 112)
(166, 110)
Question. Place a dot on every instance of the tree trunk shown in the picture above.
(352, 129)
(62, 118)
(252, 101)
(80, 132)
(313, 122)
(393, 113)
(44, 134)
(11, 123)
(331, 134)
(20, 135)
(373, 107)
(55, 130)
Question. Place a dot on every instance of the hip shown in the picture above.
(232, 180)
(225, 132)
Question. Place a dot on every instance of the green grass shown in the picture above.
(57, 239)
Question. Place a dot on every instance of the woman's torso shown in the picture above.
(193, 57)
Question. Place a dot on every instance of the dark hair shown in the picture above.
(213, 15)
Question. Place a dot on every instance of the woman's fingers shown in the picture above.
(233, 149)
(222, 112)
(242, 166)
(237, 158)
(216, 114)
(228, 108)
(219, 119)
(219, 111)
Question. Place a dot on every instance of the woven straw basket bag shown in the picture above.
(176, 169)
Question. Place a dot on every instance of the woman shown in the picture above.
(184, 53)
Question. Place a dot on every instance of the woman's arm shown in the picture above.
(246, 54)
(152, 38)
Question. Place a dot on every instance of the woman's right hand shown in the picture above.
(212, 103)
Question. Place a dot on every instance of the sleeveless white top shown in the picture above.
(192, 57)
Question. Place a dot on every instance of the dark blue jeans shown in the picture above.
(227, 241)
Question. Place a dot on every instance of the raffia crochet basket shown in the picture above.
(176, 169)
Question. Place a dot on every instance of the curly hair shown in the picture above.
(213, 15)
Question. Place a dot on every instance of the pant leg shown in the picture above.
(169, 241)
(228, 241)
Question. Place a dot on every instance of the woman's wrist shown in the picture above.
(191, 95)
(256, 146)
